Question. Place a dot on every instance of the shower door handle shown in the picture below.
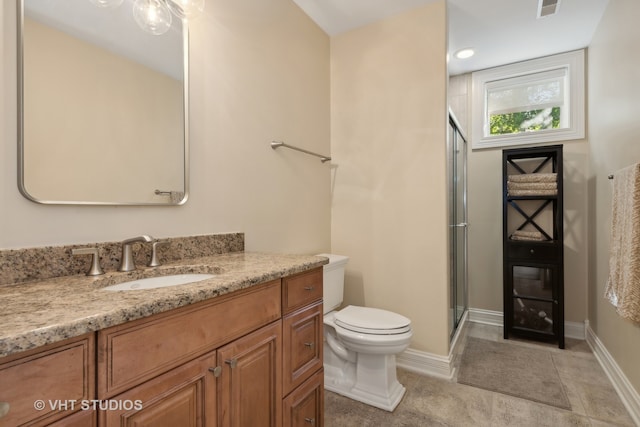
(462, 224)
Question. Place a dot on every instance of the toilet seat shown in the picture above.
(371, 321)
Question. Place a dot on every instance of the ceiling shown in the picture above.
(114, 30)
(500, 31)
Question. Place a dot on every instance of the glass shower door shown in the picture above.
(457, 154)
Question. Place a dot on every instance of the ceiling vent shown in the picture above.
(548, 7)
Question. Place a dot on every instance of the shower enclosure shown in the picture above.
(458, 227)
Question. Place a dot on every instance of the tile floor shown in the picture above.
(435, 402)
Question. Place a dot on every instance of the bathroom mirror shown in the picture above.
(102, 105)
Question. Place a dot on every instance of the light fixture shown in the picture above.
(186, 9)
(107, 4)
(464, 53)
(154, 16)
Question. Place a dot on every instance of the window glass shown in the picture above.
(534, 101)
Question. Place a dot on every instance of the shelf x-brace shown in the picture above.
(536, 170)
(529, 219)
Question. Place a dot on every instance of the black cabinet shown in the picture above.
(533, 243)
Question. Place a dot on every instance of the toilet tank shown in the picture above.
(333, 282)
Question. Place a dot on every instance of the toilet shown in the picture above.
(360, 344)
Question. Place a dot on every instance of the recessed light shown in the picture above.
(464, 53)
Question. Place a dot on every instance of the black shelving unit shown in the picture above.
(533, 253)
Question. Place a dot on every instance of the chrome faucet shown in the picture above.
(126, 262)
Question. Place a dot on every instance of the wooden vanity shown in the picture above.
(251, 357)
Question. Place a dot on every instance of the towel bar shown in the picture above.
(276, 144)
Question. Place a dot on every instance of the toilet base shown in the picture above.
(371, 380)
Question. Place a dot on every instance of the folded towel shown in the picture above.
(534, 177)
(532, 185)
(527, 235)
(623, 286)
(532, 192)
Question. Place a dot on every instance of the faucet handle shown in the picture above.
(155, 262)
(95, 269)
(143, 238)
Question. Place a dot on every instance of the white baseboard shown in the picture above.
(430, 364)
(629, 396)
(425, 363)
(574, 330)
(487, 317)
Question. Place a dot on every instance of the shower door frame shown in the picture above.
(458, 224)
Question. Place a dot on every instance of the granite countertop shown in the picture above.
(38, 313)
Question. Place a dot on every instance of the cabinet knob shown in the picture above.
(311, 421)
(309, 288)
(532, 251)
(231, 362)
(4, 408)
(309, 344)
(216, 371)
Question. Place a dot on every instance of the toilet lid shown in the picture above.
(373, 321)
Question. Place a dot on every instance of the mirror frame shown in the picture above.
(20, 93)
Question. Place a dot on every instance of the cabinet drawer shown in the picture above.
(59, 377)
(301, 289)
(135, 352)
(305, 406)
(532, 251)
(302, 346)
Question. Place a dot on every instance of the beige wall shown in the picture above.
(389, 195)
(485, 229)
(259, 71)
(614, 128)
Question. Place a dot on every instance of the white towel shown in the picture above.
(623, 286)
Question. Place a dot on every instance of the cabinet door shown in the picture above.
(184, 396)
(79, 419)
(305, 406)
(531, 299)
(250, 386)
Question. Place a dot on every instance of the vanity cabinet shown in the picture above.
(533, 243)
(303, 378)
(48, 384)
(250, 358)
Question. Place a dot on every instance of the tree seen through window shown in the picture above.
(525, 121)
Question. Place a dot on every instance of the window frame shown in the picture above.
(574, 63)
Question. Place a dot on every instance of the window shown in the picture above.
(530, 102)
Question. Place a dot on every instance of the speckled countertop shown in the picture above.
(38, 313)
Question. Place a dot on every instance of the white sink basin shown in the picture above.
(158, 282)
